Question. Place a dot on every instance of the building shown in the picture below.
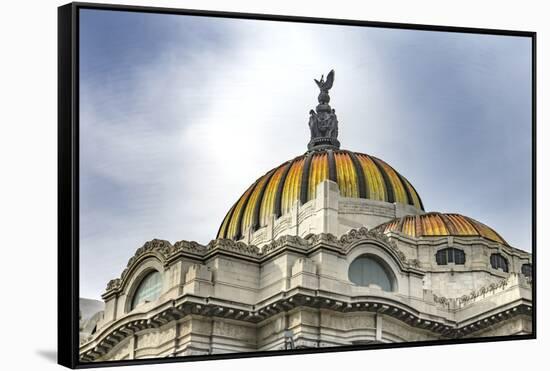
(89, 313)
(330, 248)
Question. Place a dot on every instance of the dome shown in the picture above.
(357, 175)
(435, 224)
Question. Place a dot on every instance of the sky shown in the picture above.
(180, 114)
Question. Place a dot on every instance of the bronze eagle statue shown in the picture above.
(323, 85)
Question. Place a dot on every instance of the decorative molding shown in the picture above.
(162, 248)
(165, 251)
(101, 344)
(190, 247)
(286, 240)
(482, 292)
(114, 284)
(365, 234)
(233, 246)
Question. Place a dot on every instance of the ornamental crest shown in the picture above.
(323, 123)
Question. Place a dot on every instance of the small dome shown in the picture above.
(435, 224)
(358, 176)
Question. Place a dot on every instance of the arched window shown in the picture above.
(527, 270)
(369, 270)
(450, 255)
(499, 262)
(148, 290)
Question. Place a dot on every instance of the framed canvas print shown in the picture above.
(241, 185)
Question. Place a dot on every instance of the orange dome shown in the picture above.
(438, 224)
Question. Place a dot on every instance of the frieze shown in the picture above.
(234, 246)
(473, 295)
(489, 289)
(285, 240)
(314, 239)
(355, 234)
(442, 300)
(190, 247)
(366, 234)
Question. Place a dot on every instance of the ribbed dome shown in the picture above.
(438, 224)
(358, 176)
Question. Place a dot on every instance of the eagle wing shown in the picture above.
(330, 80)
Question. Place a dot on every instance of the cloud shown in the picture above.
(179, 115)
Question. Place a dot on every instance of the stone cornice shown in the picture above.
(189, 305)
(165, 252)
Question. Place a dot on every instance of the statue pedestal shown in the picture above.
(323, 143)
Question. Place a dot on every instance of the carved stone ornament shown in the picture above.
(323, 123)
(295, 241)
(323, 237)
(465, 299)
(364, 233)
(114, 284)
(230, 245)
(345, 241)
(166, 249)
(163, 247)
(190, 246)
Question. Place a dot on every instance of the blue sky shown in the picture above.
(180, 114)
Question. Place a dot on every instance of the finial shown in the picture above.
(325, 86)
(323, 123)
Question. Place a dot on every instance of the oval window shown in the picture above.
(369, 270)
(148, 289)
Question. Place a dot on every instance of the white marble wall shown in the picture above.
(329, 213)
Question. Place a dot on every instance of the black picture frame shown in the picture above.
(68, 179)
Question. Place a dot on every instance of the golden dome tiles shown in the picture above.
(435, 224)
(358, 176)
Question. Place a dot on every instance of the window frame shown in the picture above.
(139, 285)
(525, 265)
(385, 267)
(499, 262)
(450, 255)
